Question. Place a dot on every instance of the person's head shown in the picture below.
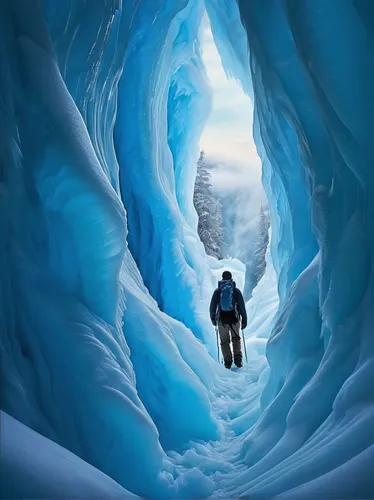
(226, 275)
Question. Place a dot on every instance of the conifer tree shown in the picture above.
(209, 211)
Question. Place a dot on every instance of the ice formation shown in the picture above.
(108, 371)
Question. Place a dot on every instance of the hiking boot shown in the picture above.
(228, 365)
(239, 364)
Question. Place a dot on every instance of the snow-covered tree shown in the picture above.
(258, 250)
(209, 211)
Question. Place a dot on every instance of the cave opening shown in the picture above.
(229, 198)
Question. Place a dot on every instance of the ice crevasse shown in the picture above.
(109, 384)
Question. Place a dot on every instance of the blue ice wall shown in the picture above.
(77, 321)
(312, 72)
(188, 107)
(231, 41)
(163, 102)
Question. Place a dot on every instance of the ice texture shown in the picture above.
(162, 106)
(311, 72)
(108, 370)
(78, 321)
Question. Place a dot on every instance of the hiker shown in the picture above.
(226, 309)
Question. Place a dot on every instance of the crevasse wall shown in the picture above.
(87, 358)
(311, 71)
(163, 103)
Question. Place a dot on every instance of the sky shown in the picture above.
(227, 138)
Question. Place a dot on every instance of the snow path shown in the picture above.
(236, 395)
(236, 407)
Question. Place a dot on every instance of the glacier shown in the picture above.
(109, 380)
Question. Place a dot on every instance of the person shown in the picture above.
(227, 308)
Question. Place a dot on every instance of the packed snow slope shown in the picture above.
(107, 353)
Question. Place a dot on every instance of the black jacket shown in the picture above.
(216, 314)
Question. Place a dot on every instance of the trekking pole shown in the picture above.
(217, 343)
(245, 347)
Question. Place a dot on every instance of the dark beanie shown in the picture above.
(226, 275)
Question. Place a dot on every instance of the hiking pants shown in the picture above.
(224, 333)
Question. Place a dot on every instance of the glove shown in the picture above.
(214, 322)
(244, 325)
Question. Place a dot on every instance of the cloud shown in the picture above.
(229, 177)
(227, 144)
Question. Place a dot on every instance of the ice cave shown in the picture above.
(110, 385)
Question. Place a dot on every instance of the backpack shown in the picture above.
(226, 301)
